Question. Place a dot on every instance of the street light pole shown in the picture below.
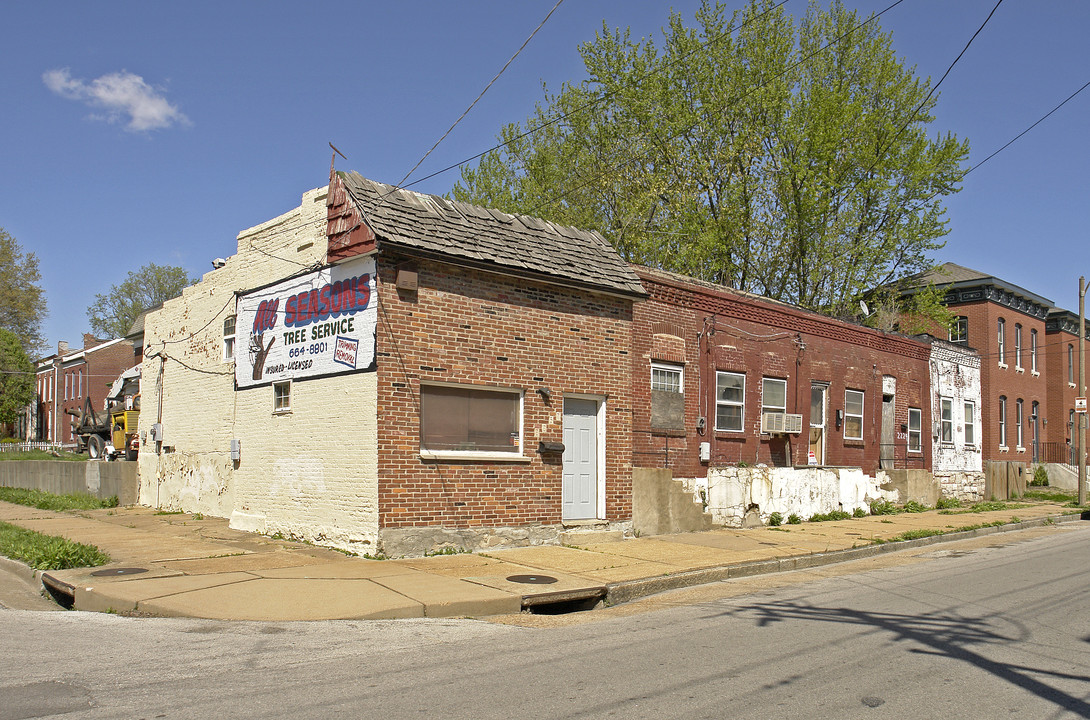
(1082, 389)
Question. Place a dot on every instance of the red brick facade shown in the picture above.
(66, 380)
(1003, 376)
(709, 329)
(474, 328)
(1062, 375)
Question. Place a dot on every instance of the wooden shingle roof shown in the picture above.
(515, 244)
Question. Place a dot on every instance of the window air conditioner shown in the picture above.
(776, 423)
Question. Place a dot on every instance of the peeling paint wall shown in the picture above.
(955, 375)
(311, 473)
(733, 492)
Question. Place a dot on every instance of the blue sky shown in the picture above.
(139, 132)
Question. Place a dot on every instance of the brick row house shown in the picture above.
(1060, 430)
(391, 372)
(1025, 393)
(65, 380)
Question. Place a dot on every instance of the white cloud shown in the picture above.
(121, 95)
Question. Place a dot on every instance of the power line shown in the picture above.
(472, 104)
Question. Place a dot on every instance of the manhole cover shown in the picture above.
(531, 579)
(119, 571)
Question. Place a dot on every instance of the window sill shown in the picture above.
(467, 456)
(1003, 365)
(282, 412)
(1019, 369)
(1019, 449)
(1034, 373)
(1071, 384)
(854, 442)
(1004, 448)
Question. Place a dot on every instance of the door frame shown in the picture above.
(600, 447)
(824, 426)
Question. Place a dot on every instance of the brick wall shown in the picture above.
(1000, 376)
(1061, 392)
(727, 331)
(310, 473)
(468, 327)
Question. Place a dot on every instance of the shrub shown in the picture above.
(1040, 476)
(775, 519)
(914, 507)
(832, 515)
(883, 507)
(793, 519)
(859, 512)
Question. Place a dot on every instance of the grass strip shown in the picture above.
(47, 552)
(50, 501)
(42, 455)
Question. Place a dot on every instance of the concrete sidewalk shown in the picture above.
(177, 565)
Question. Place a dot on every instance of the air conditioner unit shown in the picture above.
(776, 423)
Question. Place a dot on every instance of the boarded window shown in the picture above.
(464, 419)
(667, 397)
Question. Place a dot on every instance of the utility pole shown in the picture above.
(1082, 389)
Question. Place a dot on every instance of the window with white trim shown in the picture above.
(1071, 364)
(959, 330)
(282, 397)
(730, 401)
(229, 339)
(1002, 421)
(1018, 421)
(1018, 345)
(853, 414)
(915, 430)
(946, 420)
(773, 395)
(667, 378)
(467, 420)
(1001, 338)
(1033, 350)
(970, 423)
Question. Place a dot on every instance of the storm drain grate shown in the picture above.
(531, 579)
(118, 571)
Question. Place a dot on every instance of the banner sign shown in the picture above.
(322, 323)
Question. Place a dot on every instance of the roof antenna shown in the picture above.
(333, 160)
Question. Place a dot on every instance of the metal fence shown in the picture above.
(29, 445)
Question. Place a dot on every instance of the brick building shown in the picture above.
(66, 379)
(1061, 437)
(1006, 325)
(392, 372)
(755, 381)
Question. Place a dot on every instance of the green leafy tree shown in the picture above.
(790, 160)
(22, 302)
(16, 377)
(112, 315)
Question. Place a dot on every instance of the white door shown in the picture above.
(579, 492)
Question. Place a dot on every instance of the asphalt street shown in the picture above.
(993, 626)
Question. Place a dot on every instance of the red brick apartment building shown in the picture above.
(67, 378)
(1062, 377)
(1006, 324)
(724, 377)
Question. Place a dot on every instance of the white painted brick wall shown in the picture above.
(311, 473)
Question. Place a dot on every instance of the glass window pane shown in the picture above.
(775, 394)
(853, 402)
(730, 387)
(466, 419)
(728, 417)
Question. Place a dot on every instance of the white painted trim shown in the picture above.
(462, 455)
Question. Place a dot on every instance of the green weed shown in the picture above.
(947, 503)
(58, 503)
(794, 519)
(47, 552)
(775, 519)
(831, 515)
(914, 507)
(883, 507)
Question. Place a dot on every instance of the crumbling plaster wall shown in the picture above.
(732, 492)
(311, 473)
(955, 374)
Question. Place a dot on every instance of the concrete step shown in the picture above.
(589, 537)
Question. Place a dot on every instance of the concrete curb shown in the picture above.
(22, 570)
(626, 591)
